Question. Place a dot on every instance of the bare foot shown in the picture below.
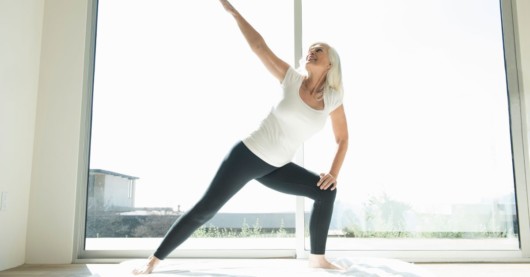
(319, 261)
(151, 263)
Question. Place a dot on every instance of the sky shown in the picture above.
(176, 86)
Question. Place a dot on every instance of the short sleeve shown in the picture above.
(334, 99)
(290, 77)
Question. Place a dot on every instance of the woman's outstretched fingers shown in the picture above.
(228, 7)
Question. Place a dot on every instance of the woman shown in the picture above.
(265, 155)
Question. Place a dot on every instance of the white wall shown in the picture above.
(55, 135)
(522, 29)
(20, 36)
(52, 202)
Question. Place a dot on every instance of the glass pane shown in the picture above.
(429, 161)
(175, 87)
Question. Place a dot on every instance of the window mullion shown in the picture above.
(300, 204)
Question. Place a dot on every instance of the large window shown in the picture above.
(429, 165)
(430, 158)
(175, 87)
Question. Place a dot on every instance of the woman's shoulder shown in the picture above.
(292, 75)
(334, 98)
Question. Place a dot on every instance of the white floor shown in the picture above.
(359, 267)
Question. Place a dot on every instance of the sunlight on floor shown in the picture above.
(358, 267)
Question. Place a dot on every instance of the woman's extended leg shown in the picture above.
(239, 167)
(296, 180)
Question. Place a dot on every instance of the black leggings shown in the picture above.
(238, 168)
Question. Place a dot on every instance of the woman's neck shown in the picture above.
(314, 83)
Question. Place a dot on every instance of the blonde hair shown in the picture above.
(334, 75)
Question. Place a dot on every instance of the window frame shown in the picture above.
(520, 156)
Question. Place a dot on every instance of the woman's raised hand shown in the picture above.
(228, 7)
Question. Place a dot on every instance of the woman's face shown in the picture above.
(317, 57)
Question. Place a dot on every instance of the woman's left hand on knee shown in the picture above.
(327, 181)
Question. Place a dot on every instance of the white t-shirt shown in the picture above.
(290, 123)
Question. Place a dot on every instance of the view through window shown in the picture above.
(430, 152)
(176, 85)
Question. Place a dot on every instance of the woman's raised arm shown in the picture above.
(275, 65)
